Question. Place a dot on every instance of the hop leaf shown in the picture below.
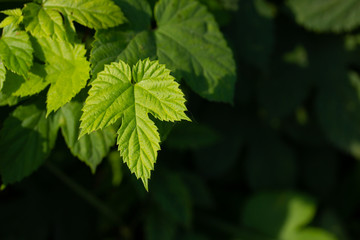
(14, 16)
(121, 93)
(26, 139)
(91, 13)
(91, 148)
(16, 50)
(67, 70)
(188, 39)
(42, 22)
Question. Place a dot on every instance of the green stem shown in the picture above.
(82, 192)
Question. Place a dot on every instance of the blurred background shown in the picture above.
(279, 164)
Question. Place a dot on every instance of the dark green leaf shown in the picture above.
(25, 141)
(91, 148)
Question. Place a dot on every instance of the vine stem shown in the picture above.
(82, 192)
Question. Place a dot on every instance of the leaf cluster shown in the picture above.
(43, 60)
(279, 163)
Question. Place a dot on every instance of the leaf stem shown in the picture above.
(83, 193)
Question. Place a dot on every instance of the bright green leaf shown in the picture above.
(16, 50)
(91, 148)
(42, 22)
(189, 40)
(67, 70)
(96, 14)
(14, 17)
(121, 93)
(25, 141)
(13, 12)
(325, 16)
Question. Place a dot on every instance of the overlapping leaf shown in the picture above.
(137, 12)
(189, 40)
(14, 17)
(91, 148)
(16, 50)
(91, 13)
(67, 70)
(122, 43)
(33, 83)
(43, 22)
(106, 47)
(329, 15)
(25, 140)
(130, 95)
(21, 86)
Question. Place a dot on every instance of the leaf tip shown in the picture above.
(145, 182)
(81, 134)
(186, 118)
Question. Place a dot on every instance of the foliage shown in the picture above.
(250, 110)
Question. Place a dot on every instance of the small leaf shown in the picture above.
(14, 17)
(91, 148)
(16, 50)
(25, 141)
(67, 70)
(13, 12)
(325, 16)
(189, 40)
(96, 14)
(121, 93)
